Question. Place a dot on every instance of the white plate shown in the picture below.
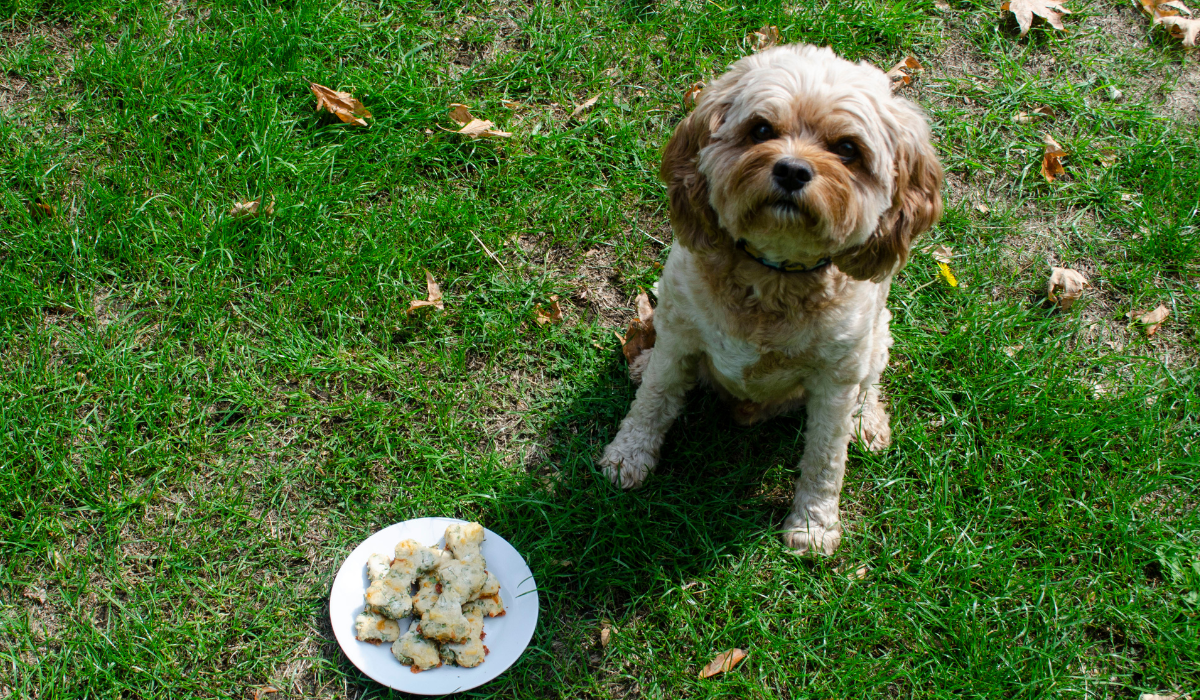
(507, 635)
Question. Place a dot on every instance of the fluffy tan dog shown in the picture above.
(797, 187)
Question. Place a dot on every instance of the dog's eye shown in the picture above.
(846, 150)
(762, 132)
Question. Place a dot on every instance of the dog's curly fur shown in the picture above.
(771, 340)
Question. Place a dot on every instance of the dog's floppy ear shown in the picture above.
(916, 205)
(692, 217)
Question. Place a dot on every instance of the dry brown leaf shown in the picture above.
(764, 38)
(722, 663)
(478, 128)
(1107, 158)
(251, 208)
(35, 594)
(340, 104)
(941, 5)
(641, 334)
(605, 633)
(41, 210)
(902, 73)
(1155, 696)
(693, 92)
(1052, 167)
(511, 104)
(1167, 14)
(461, 114)
(1152, 319)
(1024, 10)
(1071, 284)
(1184, 28)
(588, 104)
(433, 298)
(941, 253)
(553, 314)
(1035, 115)
(265, 690)
(982, 208)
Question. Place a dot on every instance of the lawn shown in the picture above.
(201, 415)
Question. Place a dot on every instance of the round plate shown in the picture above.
(507, 635)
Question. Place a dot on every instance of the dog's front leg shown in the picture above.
(634, 451)
(813, 524)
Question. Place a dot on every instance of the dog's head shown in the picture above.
(805, 156)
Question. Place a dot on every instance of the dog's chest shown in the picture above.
(756, 372)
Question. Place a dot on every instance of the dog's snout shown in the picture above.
(792, 175)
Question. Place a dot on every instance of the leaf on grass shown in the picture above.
(251, 208)
(340, 104)
(434, 295)
(941, 5)
(1030, 117)
(1024, 10)
(1167, 14)
(265, 690)
(641, 334)
(1154, 696)
(37, 595)
(605, 633)
(587, 104)
(944, 271)
(692, 93)
(1052, 167)
(511, 104)
(1065, 286)
(1152, 319)
(902, 73)
(941, 253)
(764, 38)
(553, 314)
(475, 128)
(41, 210)
(722, 663)
(982, 208)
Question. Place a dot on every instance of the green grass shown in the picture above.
(200, 416)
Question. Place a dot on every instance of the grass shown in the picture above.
(201, 416)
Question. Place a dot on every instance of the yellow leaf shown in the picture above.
(947, 274)
(722, 663)
(340, 104)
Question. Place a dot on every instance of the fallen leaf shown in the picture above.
(1071, 284)
(41, 210)
(588, 104)
(1052, 167)
(982, 208)
(251, 208)
(35, 594)
(1152, 319)
(901, 74)
(764, 38)
(553, 314)
(461, 114)
(1029, 117)
(693, 92)
(1012, 350)
(478, 128)
(434, 295)
(1167, 14)
(340, 104)
(1024, 10)
(944, 271)
(1184, 28)
(1115, 95)
(265, 690)
(1107, 158)
(1153, 696)
(605, 633)
(722, 663)
(511, 104)
(941, 253)
(859, 574)
(641, 335)
(941, 5)
(60, 562)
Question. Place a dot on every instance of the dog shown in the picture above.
(796, 187)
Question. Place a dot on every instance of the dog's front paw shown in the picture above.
(805, 535)
(874, 429)
(626, 467)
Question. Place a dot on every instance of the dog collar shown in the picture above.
(781, 265)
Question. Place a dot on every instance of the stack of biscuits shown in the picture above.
(448, 592)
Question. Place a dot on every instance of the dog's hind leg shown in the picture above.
(665, 380)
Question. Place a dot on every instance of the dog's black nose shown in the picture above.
(792, 175)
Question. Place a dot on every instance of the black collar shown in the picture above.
(780, 265)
